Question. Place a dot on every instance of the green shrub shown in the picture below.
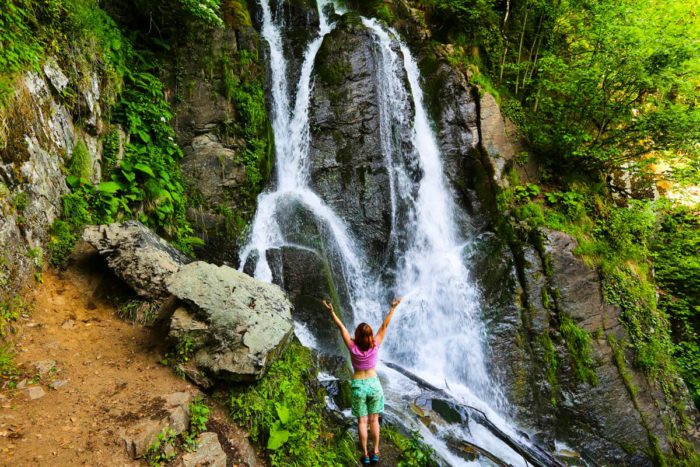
(283, 412)
(676, 252)
(414, 451)
(199, 416)
(8, 368)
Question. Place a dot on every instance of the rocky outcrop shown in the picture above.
(497, 144)
(171, 412)
(346, 162)
(235, 326)
(208, 452)
(528, 300)
(209, 66)
(38, 132)
(138, 256)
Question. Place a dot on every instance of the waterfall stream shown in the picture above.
(436, 333)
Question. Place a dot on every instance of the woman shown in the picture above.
(367, 393)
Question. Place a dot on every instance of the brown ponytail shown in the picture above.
(364, 337)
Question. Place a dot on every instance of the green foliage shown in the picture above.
(243, 85)
(414, 451)
(8, 368)
(199, 416)
(138, 311)
(206, 10)
(10, 311)
(19, 49)
(64, 232)
(158, 453)
(147, 185)
(578, 343)
(598, 83)
(525, 193)
(110, 151)
(180, 355)
(676, 252)
(283, 411)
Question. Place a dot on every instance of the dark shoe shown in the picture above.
(374, 458)
(364, 460)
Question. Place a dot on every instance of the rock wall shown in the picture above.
(39, 130)
(207, 67)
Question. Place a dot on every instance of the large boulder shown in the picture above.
(236, 325)
(138, 256)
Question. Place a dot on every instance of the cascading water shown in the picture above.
(436, 332)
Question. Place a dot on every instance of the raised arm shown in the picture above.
(343, 332)
(382, 329)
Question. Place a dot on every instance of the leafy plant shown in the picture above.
(199, 416)
(283, 412)
(414, 451)
(162, 450)
(8, 368)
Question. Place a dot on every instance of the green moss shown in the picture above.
(550, 364)
(578, 343)
(80, 164)
(332, 65)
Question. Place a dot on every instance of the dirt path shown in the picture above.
(109, 366)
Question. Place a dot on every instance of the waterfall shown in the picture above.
(436, 332)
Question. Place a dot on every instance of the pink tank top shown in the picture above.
(363, 360)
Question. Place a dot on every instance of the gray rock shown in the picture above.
(174, 415)
(578, 286)
(43, 367)
(208, 452)
(33, 392)
(58, 384)
(137, 255)
(249, 321)
(496, 142)
(55, 75)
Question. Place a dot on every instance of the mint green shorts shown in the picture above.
(367, 397)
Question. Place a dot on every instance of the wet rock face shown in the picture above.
(240, 325)
(525, 303)
(458, 129)
(346, 163)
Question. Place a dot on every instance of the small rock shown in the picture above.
(34, 392)
(22, 384)
(58, 384)
(68, 324)
(44, 367)
(209, 452)
(169, 451)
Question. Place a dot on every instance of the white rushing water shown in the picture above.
(436, 332)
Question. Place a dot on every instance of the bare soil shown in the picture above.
(110, 367)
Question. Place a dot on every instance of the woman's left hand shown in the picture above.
(328, 306)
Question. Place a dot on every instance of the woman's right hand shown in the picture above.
(396, 302)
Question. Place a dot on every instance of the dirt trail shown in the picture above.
(110, 367)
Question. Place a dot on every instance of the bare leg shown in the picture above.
(362, 428)
(374, 428)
